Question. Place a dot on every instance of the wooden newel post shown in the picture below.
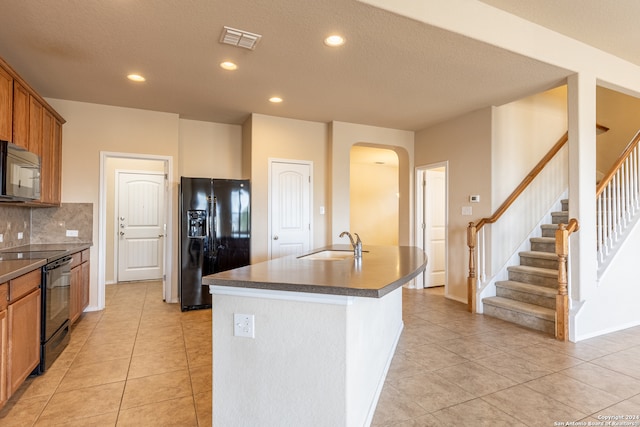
(562, 298)
(471, 280)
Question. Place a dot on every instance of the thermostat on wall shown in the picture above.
(474, 198)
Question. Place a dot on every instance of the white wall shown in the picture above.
(614, 302)
(210, 150)
(465, 142)
(342, 137)
(621, 114)
(374, 198)
(523, 132)
(93, 128)
(281, 138)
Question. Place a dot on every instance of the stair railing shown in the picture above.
(562, 298)
(617, 200)
(475, 238)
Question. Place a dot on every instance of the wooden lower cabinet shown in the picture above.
(4, 351)
(24, 339)
(20, 315)
(79, 284)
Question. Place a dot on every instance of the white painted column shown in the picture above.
(582, 188)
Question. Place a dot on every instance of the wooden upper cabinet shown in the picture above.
(46, 165)
(56, 162)
(27, 120)
(20, 115)
(35, 125)
(6, 105)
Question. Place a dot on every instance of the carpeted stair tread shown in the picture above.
(522, 307)
(528, 288)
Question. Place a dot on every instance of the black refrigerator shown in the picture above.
(215, 233)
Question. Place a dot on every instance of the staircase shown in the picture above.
(528, 298)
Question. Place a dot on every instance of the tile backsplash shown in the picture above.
(46, 225)
(14, 220)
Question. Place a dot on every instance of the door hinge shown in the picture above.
(164, 277)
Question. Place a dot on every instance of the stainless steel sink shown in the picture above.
(328, 255)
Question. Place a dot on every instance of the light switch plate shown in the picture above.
(467, 210)
(20, 235)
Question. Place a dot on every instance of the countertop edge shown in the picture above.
(30, 265)
(319, 288)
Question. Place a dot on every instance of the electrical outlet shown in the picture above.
(20, 235)
(244, 325)
(72, 233)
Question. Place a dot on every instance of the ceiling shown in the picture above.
(392, 72)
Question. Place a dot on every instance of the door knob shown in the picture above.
(275, 237)
(121, 225)
(122, 233)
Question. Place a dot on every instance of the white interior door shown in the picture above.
(431, 224)
(140, 225)
(290, 208)
(435, 226)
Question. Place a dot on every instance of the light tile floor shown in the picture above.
(139, 362)
(142, 362)
(453, 368)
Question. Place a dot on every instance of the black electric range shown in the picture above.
(55, 294)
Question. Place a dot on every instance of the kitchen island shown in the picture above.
(307, 340)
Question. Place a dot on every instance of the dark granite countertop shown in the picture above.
(12, 268)
(381, 270)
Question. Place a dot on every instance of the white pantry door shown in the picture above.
(140, 225)
(290, 208)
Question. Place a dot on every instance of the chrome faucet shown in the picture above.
(357, 244)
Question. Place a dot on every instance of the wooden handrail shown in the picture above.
(609, 176)
(525, 183)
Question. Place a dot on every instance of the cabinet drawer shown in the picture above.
(76, 259)
(20, 286)
(4, 297)
(85, 255)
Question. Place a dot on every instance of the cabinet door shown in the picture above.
(3, 357)
(20, 115)
(85, 286)
(24, 339)
(46, 166)
(35, 126)
(56, 163)
(75, 293)
(6, 105)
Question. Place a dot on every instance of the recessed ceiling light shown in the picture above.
(334, 40)
(275, 99)
(228, 65)
(136, 78)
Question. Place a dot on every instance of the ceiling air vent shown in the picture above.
(239, 38)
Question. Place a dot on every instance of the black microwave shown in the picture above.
(19, 173)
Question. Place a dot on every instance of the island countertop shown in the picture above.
(381, 270)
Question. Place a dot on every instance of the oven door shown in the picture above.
(56, 296)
